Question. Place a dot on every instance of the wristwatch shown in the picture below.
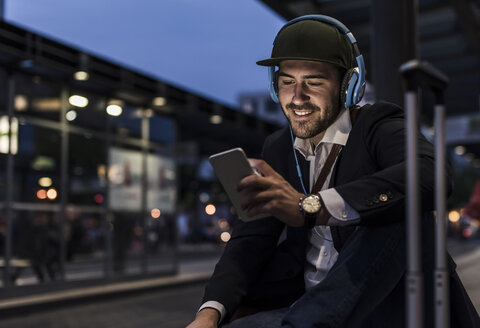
(310, 206)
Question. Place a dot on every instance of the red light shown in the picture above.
(467, 233)
(98, 198)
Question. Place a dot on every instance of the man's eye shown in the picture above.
(287, 82)
(314, 83)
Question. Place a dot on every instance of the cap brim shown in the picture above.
(270, 61)
(276, 61)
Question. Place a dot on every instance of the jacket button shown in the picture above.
(383, 197)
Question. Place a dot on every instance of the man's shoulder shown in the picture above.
(372, 113)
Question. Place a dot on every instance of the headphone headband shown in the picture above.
(355, 86)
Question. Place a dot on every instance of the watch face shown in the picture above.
(311, 204)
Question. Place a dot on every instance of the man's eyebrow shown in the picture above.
(313, 76)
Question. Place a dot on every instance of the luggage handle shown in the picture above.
(422, 74)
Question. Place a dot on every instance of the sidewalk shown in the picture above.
(195, 267)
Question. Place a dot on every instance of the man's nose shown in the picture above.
(300, 94)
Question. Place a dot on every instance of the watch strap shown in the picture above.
(310, 220)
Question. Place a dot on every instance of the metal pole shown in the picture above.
(442, 313)
(63, 178)
(9, 183)
(414, 297)
(108, 215)
(144, 215)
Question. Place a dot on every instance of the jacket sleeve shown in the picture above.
(380, 196)
(243, 259)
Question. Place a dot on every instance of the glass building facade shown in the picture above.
(85, 194)
(104, 171)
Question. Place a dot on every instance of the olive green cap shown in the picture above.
(311, 40)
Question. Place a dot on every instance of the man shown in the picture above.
(332, 256)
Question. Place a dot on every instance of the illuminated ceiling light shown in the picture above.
(52, 193)
(78, 101)
(454, 216)
(460, 150)
(159, 101)
(210, 209)
(71, 115)
(42, 194)
(225, 236)
(81, 76)
(155, 213)
(45, 182)
(20, 103)
(114, 110)
(216, 119)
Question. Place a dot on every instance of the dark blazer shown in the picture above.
(256, 270)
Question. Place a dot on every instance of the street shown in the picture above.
(174, 307)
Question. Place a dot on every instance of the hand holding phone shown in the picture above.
(231, 166)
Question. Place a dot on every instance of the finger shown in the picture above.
(254, 198)
(253, 182)
(263, 167)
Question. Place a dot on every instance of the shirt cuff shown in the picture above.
(216, 306)
(341, 212)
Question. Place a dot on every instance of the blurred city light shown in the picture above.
(454, 216)
(42, 194)
(52, 193)
(216, 119)
(78, 101)
(210, 209)
(223, 224)
(467, 233)
(81, 76)
(159, 101)
(7, 144)
(225, 236)
(204, 197)
(460, 150)
(45, 182)
(114, 110)
(20, 103)
(155, 213)
(71, 115)
(98, 198)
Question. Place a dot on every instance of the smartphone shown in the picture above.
(230, 167)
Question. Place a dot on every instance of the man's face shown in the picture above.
(309, 95)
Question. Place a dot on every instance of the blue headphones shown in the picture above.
(353, 84)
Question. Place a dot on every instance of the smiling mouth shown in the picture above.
(302, 112)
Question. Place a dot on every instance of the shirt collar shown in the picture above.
(337, 133)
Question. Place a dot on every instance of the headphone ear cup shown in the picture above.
(345, 96)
